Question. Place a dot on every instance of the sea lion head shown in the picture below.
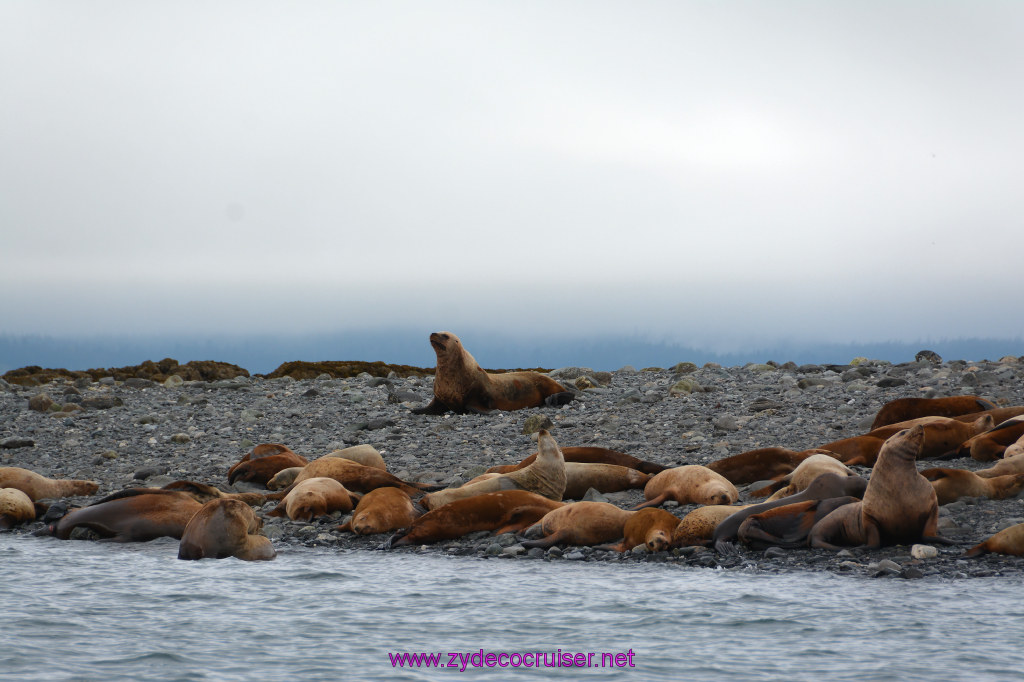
(658, 541)
(444, 343)
(905, 444)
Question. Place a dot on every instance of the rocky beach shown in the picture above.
(148, 428)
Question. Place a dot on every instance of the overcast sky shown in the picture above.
(706, 172)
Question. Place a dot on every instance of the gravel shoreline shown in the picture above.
(137, 432)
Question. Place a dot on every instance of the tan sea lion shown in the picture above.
(380, 511)
(604, 478)
(364, 454)
(991, 444)
(580, 523)
(38, 487)
(788, 525)
(899, 505)
(546, 476)
(759, 465)
(261, 463)
(697, 528)
(461, 385)
(15, 508)
(903, 409)
(653, 528)
(1007, 541)
(1004, 467)
(589, 455)
(804, 474)
(1015, 449)
(952, 484)
(315, 497)
(356, 477)
(222, 529)
(284, 478)
(133, 515)
(690, 484)
(504, 511)
(825, 486)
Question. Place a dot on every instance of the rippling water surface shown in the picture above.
(100, 611)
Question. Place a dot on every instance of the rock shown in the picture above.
(180, 438)
(40, 402)
(924, 552)
(14, 443)
(928, 356)
(494, 549)
(147, 472)
(684, 368)
(726, 422)
(685, 387)
(173, 381)
(762, 404)
(536, 422)
(102, 402)
(137, 382)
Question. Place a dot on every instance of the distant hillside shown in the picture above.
(263, 354)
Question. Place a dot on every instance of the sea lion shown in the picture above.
(580, 523)
(698, 527)
(132, 515)
(38, 487)
(380, 511)
(999, 415)
(15, 508)
(504, 511)
(804, 474)
(222, 529)
(589, 455)
(315, 497)
(952, 484)
(899, 505)
(823, 487)
(788, 525)
(284, 478)
(991, 444)
(1009, 464)
(942, 437)
(759, 465)
(364, 454)
(203, 493)
(546, 476)
(461, 385)
(1007, 541)
(1015, 449)
(903, 409)
(689, 484)
(356, 477)
(605, 478)
(860, 450)
(261, 463)
(652, 527)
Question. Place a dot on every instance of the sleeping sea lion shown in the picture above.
(698, 527)
(590, 455)
(261, 463)
(356, 477)
(991, 444)
(15, 508)
(39, 487)
(952, 484)
(604, 478)
(315, 497)
(222, 529)
(580, 523)
(133, 515)
(1007, 541)
(461, 385)
(652, 527)
(759, 465)
(690, 484)
(364, 454)
(380, 511)
(903, 409)
(801, 477)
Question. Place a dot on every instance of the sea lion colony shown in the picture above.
(397, 518)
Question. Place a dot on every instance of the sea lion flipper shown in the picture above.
(435, 406)
(559, 399)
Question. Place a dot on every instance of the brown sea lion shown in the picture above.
(580, 523)
(759, 465)
(380, 511)
(653, 528)
(942, 437)
(15, 508)
(356, 477)
(999, 415)
(698, 527)
(133, 515)
(604, 478)
(261, 463)
(859, 450)
(903, 409)
(504, 511)
(38, 487)
(952, 484)
(546, 476)
(461, 385)
(690, 484)
(821, 488)
(990, 445)
(203, 493)
(1007, 541)
(899, 505)
(788, 525)
(284, 478)
(589, 455)
(315, 497)
(804, 474)
(364, 454)
(222, 529)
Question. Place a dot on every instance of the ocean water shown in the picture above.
(102, 611)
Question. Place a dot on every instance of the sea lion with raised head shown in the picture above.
(589, 455)
(380, 511)
(952, 484)
(546, 476)
(315, 497)
(579, 523)
(222, 529)
(504, 511)
(39, 487)
(461, 385)
(899, 506)
(261, 463)
(689, 484)
(903, 409)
